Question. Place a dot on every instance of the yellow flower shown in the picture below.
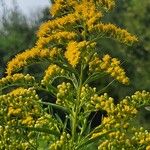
(13, 111)
(28, 120)
(86, 11)
(17, 79)
(73, 53)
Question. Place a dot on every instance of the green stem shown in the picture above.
(77, 109)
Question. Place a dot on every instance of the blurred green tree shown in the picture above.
(15, 34)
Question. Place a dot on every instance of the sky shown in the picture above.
(27, 6)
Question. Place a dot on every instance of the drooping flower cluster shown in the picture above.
(109, 65)
(111, 31)
(27, 57)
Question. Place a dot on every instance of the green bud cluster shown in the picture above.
(17, 79)
(65, 95)
(62, 143)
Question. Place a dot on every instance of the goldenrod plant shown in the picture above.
(68, 43)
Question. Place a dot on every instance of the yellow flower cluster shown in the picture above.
(110, 66)
(57, 7)
(118, 123)
(62, 143)
(47, 122)
(19, 107)
(28, 57)
(17, 79)
(58, 23)
(22, 102)
(12, 136)
(59, 37)
(52, 73)
(22, 107)
(73, 52)
(86, 10)
(65, 95)
(74, 19)
(118, 115)
(62, 6)
(119, 141)
(111, 31)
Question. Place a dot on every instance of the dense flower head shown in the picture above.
(140, 99)
(86, 10)
(74, 22)
(86, 93)
(58, 23)
(73, 53)
(142, 136)
(21, 102)
(75, 50)
(61, 6)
